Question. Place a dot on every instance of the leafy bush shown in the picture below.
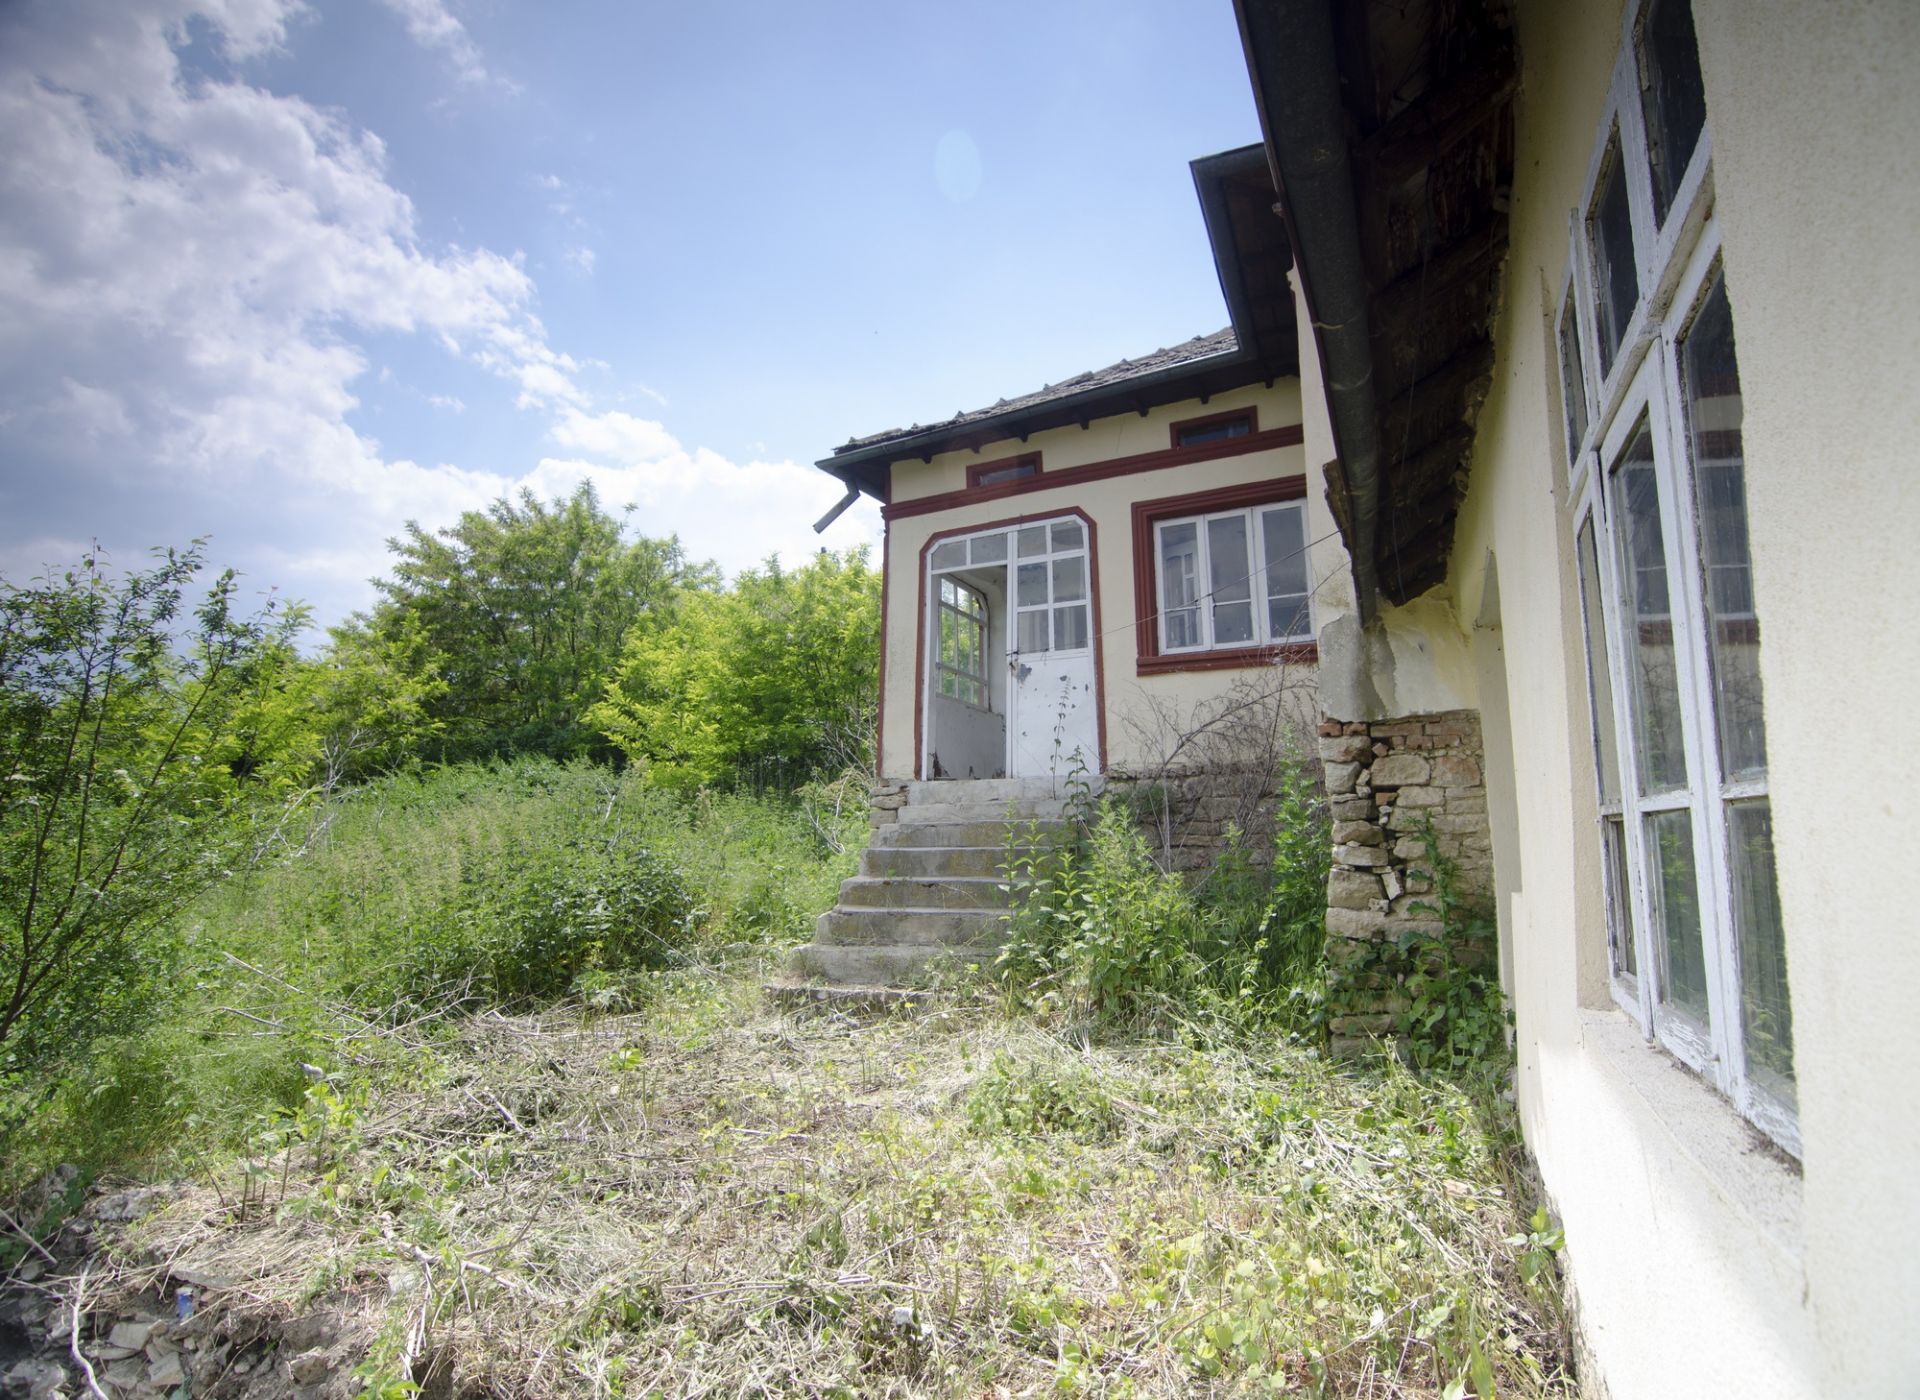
(764, 686)
(528, 929)
(1100, 929)
(118, 707)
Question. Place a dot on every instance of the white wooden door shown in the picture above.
(1055, 720)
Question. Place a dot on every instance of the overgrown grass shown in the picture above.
(706, 1197)
(420, 898)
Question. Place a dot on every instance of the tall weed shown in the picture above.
(474, 885)
(1101, 930)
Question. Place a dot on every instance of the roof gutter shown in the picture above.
(1289, 46)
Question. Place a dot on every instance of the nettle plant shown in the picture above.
(1454, 1017)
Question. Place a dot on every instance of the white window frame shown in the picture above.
(969, 683)
(1257, 579)
(1676, 266)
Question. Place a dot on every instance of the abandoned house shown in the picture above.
(1572, 357)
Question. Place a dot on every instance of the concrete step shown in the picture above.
(910, 892)
(831, 997)
(947, 813)
(933, 862)
(911, 927)
(990, 832)
(885, 965)
(998, 791)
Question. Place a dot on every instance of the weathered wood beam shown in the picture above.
(1475, 256)
(1427, 468)
(1411, 141)
(1437, 400)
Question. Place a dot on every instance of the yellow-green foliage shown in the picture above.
(767, 683)
(439, 893)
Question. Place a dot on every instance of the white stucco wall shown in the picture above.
(1142, 711)
(1706, 1265)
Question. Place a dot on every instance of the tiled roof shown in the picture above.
(1201, 347)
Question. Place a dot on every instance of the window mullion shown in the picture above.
(1684, 614)
(1627, 743)
(1257, 583)
(1203, 580)
(1710, 818)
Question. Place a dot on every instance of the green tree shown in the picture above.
(119, 714)
(770, 682)
(524, 607)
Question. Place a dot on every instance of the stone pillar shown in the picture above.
(887, 800)
(1385, 780)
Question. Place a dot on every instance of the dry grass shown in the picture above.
(710, 1197)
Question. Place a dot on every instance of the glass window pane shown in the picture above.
(1033, 630)
(1675, 894)
(990, 549)
(1710, 379)
(1573, 384)
(1070, 627)
(1766, 1014)
(1288, 617)
(1615, 278)
(1033, 540)
(1283, 534)
(1232, 624)
(950, 555)
(1672, 96)
(1613, 857)
(1652, 657)
(1070, 578)
(1182, 628)
(1032, 585)
(1068, 534)
(1179, 565)
(1606, 741)
(1229, 562)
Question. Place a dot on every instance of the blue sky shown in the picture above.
(291, 274)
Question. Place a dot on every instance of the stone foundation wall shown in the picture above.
(1187, 817)
(888, 799)
(1385, 780)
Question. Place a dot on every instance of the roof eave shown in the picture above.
(1208, 375)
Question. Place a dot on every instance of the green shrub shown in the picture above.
(526, 930)
(1100, 929)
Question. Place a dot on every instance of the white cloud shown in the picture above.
(433, 26)
(452, 403)
(190, 274)
(582, 258)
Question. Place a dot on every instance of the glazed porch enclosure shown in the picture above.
(1008, 681)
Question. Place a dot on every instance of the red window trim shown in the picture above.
(1093, 621)
(1146, 597)
(1250, 413)
(977, 471)
(1289, 436)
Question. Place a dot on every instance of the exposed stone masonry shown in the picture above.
(1385, 779)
